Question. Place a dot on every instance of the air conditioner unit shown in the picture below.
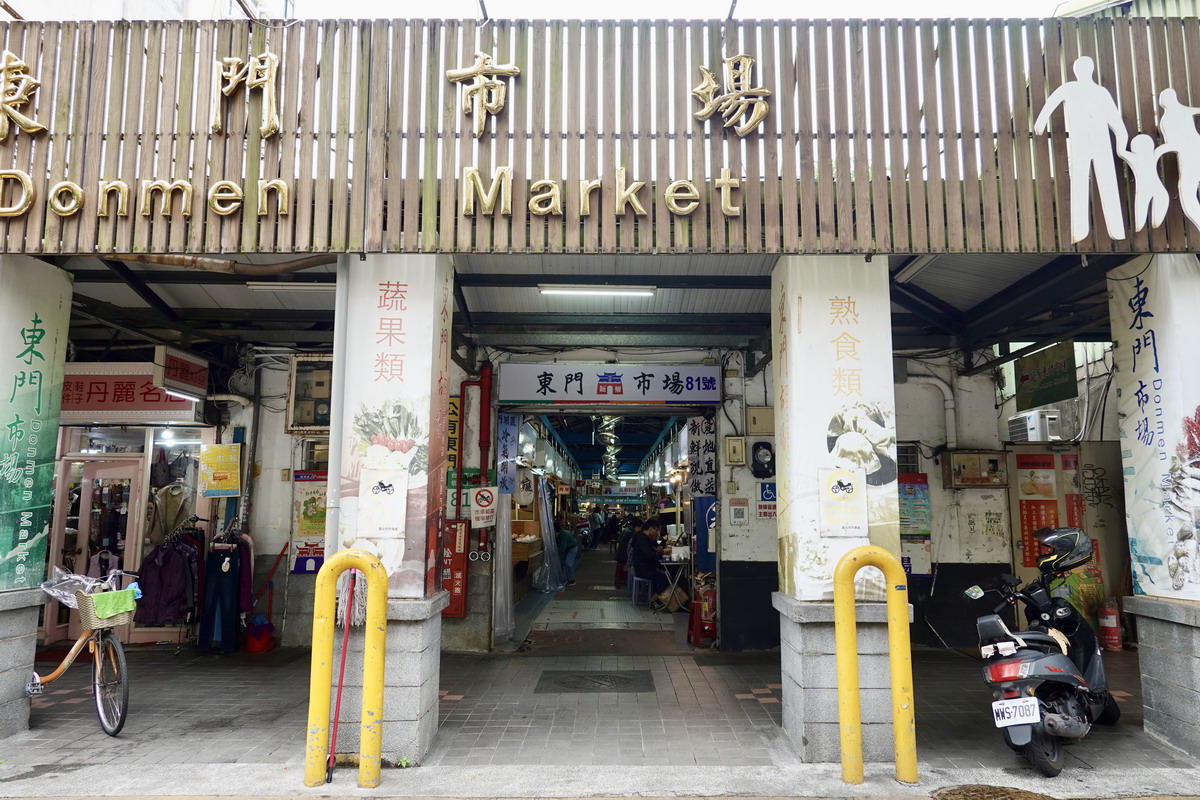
(1034, 426)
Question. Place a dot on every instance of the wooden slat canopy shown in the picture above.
(897, 136)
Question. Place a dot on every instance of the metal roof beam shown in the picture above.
(496, 321)
(1036, 293)
(929, 308)
(1086, 321)
(626, 339)
(194, 277)
(501, 280)
(139, 287)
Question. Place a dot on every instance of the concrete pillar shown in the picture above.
(410, 685)
(835, 454)
(35, 314)
(1152, 303)
(391, 458)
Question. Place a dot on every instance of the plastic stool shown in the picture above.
(636, 583)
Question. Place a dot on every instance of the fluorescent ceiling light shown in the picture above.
(597, 290)
(289, 286)
(183, 396)
(910, 270)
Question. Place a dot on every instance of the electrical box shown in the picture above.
(1034, 426)
(974, 469)
(760, 420)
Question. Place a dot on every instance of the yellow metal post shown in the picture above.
(370, 743)
(900, 655)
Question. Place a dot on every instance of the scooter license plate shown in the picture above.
(1018, 711)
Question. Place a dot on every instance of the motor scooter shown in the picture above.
(1048, 682)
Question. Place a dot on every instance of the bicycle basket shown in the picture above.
(88, 618)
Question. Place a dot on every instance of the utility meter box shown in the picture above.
(975, 469)
(760, 421)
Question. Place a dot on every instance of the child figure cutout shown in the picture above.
(1150, 198)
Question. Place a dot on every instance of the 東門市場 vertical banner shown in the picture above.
(1152, 305)
(35, 314)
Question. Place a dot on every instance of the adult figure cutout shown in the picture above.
(1091, 114)
(1178, 128)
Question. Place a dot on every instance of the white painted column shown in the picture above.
(835, 418)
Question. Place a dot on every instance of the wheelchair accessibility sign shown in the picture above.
(766, 500)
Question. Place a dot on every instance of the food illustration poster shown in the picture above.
(1036, 477)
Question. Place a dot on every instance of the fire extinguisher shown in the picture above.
(708, 602)
(1110, 626)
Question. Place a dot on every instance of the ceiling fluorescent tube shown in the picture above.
(596, 290)
(910, 270)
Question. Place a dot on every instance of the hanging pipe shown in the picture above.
(948, 403)
(484, 382)
(612, 445)
(227, 265)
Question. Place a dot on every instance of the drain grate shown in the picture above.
(555, 681)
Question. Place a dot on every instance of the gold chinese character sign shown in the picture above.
(259, 73)
(19, 87)
(483, 95)
(739, 99)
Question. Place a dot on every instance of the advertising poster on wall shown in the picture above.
(843, 502)
(308, 520)
(1152, 303)
(835, 410)
(916, 523)
(220, 470)
(1037, 500)
(35, 310)
(1072, 491)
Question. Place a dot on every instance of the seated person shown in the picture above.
(645, 556)
(633, 528)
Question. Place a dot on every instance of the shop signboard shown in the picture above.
(220, 470)
(702, 456)
(35, 307)
(610, 384)
(121, 392)
(1047, 376)
(453, 537)
(453, 418)
(483, 506)
(180, 372)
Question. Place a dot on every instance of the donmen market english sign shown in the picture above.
(803, 136)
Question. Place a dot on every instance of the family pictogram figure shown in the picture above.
(1096, 130)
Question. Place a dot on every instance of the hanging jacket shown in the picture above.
(164, 581)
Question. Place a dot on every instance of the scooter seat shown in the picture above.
(1044, 640)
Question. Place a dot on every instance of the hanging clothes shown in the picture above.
(172, 506)
(246, 576)
(219, 617)
(167, 584)
(102, 563)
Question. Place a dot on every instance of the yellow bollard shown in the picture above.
(370, 743)
(900, 655)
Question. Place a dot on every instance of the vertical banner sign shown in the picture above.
(220, 470)
(1152, 305)
(453, 562)
(507, 443)
(395, 406)
(35, 312)
(702, 456)
(916, 523)
(308, 520)
(1037, 500)
(834, 410)
(453, 412)
(1047, 376)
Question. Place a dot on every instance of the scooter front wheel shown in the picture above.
(1045, 752)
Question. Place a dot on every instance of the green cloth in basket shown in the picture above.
(109, 604)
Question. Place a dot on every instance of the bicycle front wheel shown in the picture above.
(110, 682)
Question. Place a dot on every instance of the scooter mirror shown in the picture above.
(973, 592)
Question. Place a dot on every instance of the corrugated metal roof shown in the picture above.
(698, 264)
(527, 300)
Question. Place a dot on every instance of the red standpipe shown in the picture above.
(484, 382)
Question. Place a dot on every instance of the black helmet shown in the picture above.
(1063, 549)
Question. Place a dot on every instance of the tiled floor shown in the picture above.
(706, 707)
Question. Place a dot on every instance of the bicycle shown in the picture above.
(110, 675)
